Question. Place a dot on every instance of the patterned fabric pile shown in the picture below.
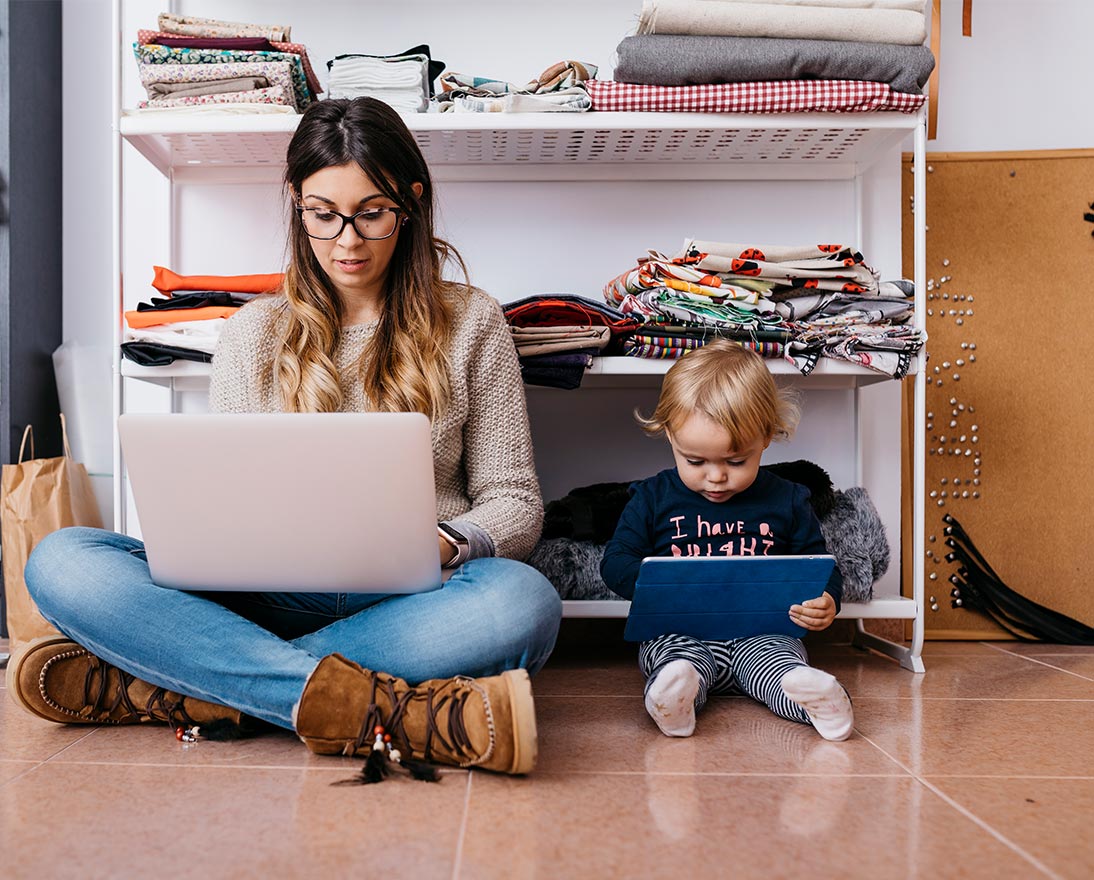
(205, 64)
(561, 88)
(798, 303)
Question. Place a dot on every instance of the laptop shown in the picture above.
(303, 502)
(723, 598)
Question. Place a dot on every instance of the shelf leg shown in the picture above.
(908, 656)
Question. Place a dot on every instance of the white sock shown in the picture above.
(670, 699)
(824, 700)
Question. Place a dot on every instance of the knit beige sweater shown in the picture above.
(482, 449)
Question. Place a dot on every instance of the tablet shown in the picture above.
(725, 597)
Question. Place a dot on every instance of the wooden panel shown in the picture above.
(1012, 264)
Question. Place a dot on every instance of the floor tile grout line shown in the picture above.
(45, 761)
(858, 696)
(997, 647)
(724, 774)
(188, 765)
(463, 829)
(34, 765)
(998, 835)
(976, 820)
(923, 699)
(1032, 659)
(1024, 777)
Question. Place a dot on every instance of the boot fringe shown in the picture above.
(218, 730)
(378, 766)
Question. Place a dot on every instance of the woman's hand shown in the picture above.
(815, 614)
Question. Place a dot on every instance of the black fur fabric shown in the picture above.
(589, 513)
(577, 527)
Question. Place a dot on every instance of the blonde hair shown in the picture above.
(732, 386)
(405, 365)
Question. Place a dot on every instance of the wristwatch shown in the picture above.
(458, 541)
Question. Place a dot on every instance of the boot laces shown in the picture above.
(106, 688)
(454, 739)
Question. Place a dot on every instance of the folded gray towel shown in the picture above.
(679, 60)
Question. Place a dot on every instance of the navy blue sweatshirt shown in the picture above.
(772, 517)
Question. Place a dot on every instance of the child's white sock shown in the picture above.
(824, 700)
(670, 698)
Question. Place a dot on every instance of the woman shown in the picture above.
(364, 321)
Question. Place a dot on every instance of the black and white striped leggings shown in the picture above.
(752, 666)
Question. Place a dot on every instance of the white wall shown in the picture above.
(1013, 85)
(1021, 81)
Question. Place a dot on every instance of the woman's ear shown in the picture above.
(417, 189)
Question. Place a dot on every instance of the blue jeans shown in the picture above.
(255, 651)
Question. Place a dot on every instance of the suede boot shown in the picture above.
(56, 679)
(489, 723)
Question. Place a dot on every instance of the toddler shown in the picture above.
(720, 409)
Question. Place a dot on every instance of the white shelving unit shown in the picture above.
(580, 147)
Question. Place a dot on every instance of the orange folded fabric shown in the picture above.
(166, 281)
(150, 318)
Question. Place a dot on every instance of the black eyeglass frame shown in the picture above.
(300, 209)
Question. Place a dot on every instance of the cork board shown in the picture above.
(1010, 260)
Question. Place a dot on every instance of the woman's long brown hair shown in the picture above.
(405, 365)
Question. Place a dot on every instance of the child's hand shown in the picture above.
(815, 614)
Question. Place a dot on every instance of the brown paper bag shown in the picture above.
(38, 496)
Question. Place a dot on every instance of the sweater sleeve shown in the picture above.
(630, 544)
(497, 453)
(808, 540)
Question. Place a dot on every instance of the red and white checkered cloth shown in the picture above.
(777, 96)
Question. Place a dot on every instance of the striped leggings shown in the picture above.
(752, 666)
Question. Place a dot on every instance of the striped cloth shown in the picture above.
(777, 96)
(651, 345)
(752, 666)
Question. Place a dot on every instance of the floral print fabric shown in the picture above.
(153, 55)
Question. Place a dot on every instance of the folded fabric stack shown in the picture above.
(562, 87)
(185, 323)
(796, 303)
(771, 56)
(405, 80)
(209, 65)
(557, 336)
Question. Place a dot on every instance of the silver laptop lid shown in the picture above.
(307, 502)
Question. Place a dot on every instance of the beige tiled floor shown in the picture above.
(982, 767)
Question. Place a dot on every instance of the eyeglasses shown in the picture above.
(372, 223)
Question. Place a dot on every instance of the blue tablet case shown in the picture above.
(722, 598)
